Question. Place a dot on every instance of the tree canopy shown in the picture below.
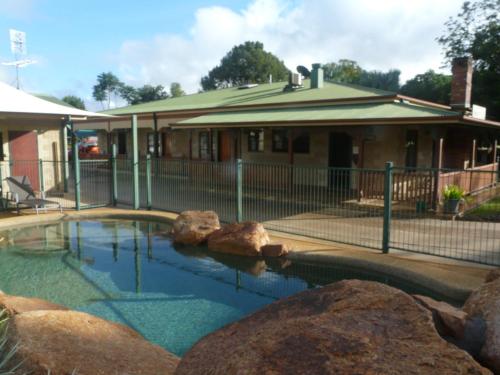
(176, 90)
(74, 101)
(475, 31)
(144, 94)
(108, 85)
(348, 71)
(245, 63)
(430, 85)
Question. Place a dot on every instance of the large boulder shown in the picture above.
(65, 341)
(245, 238)
(350, 327)
(275, 250)
(193, 227)
(449, 320)
(484, 304)
(17, 305)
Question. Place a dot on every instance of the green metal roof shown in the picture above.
(262, 94)
(323, 113)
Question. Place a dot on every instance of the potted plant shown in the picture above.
(452, 195)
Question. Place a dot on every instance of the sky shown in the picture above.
(165, 41)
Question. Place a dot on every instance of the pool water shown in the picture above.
(130, 272)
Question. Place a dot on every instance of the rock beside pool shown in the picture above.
(245, 238)
(484, 304)
(67, 341)
(493, 275)
(348, 327)
(275, 250)
(449, 320)
(193, 227)
(18, 305)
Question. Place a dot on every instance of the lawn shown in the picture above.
(487, 211)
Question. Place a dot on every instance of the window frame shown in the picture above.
(284, 134)
(255, 143)
(206, 148)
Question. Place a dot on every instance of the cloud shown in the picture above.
(395, 34)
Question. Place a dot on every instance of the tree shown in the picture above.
(144, 94)
(176, 90)
(475, 31)
(246, 63)
(346, 71)
(107, 85)
(430, 85)
(388, 81)
(74, 101)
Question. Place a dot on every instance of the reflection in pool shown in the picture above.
(131, 273)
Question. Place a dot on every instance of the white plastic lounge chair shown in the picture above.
(22, 194)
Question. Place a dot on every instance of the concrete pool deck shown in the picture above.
(453, 278)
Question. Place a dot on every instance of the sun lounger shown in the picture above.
(22, 194)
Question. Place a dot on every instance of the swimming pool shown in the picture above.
(129, 272)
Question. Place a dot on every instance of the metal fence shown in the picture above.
(379, 208)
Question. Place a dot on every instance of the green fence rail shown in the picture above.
(391, 208)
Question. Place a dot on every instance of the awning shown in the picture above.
(327, 115)
(15, 102)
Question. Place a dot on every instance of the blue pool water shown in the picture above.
(131, 273)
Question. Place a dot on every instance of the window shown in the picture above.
(2, 155)
(411, 148)
(150, 149)
(280, 140)
(122, 143)
(301, 143)
(256, 140)
(203, 146)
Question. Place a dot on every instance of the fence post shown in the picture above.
(239, 190)
(135, 163)
(76, 165)
(148, 181)
(114, 175)
(386, 234)
(41, 182)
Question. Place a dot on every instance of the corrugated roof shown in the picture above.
(262, 94)
(323, 113)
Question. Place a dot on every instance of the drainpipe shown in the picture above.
(135, 163)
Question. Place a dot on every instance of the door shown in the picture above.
(340, 156)
(24, 155)
(225, 145)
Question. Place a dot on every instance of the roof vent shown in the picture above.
(247, 86)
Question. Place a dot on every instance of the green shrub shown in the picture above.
(452, 192)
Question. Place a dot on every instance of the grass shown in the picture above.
(6, 353)
(487, 211)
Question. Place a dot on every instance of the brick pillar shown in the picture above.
(461, 83)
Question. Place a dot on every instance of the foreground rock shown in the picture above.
(449, 320)
(193, 227)
(18, 305)
(64, 341)
(239, 238)
(350, 327)
(493, 275)
(275, 250)
(484, 304)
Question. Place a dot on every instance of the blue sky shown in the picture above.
(163, 41)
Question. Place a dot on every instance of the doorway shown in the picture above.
(23, 148)
(339, 157)
(225, 145)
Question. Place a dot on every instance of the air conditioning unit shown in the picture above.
(296, 79)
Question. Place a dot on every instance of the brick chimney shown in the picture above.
(461, 83)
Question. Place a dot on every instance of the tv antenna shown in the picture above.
(18, 48)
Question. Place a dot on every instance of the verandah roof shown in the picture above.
(294, 115)
(17, 103)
